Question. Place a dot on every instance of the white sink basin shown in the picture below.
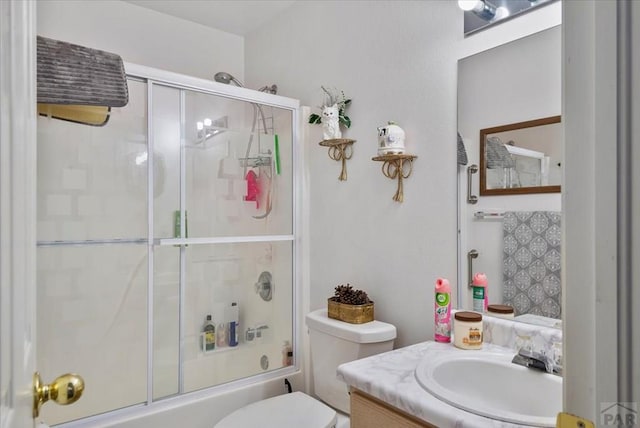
(489, 384)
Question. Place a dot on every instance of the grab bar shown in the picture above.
(473, 254)
(471, 169)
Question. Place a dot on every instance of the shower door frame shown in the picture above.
(155, 77)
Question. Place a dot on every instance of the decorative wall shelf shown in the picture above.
(340, 149)
(394, 168)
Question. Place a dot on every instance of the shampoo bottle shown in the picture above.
(480, 295)
(234, 325)
(209, 331)
(443, 311)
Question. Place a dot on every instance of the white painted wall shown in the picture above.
(397, 61)
(143, 36)
(512, 83)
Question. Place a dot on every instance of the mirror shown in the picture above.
(523, 157)
(481, 14)
(512, 93)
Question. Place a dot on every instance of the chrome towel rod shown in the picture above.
(481, 215)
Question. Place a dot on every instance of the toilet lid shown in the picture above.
(289, 410)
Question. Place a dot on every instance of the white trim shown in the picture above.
(168, 78)
(150, 246)
(589, 275)
(18, 206)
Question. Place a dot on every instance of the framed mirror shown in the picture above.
(521, 158)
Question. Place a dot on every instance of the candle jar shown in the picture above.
(467, 330)
(500, 311)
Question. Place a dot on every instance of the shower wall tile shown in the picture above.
(58, 205)
(57, 284)
(89, 205)
(74, 179)
(73, 228)
(46, 228)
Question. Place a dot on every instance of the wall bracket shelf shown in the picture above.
(394, 168)
(340, 149)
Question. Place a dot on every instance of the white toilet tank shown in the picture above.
(334, 342)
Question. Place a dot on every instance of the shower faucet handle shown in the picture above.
(255, 332)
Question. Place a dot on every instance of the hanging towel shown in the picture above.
(462, 152)
(531, 264)
(497, 154)
(72, 77)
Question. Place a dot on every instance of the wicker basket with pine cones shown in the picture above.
(350, 305)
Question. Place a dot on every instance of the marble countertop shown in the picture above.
(390, 377)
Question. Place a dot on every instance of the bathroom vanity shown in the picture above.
(385, 390)
(370, 412)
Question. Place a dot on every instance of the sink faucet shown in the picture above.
(536, 360)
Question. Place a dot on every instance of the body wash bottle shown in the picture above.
(443, 311)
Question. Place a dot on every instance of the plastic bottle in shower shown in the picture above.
(443, 311)
(234, 324)
(209, 331)
(287, 354)
(221, 335)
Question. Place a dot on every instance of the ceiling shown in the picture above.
(233, 16)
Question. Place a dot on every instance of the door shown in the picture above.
(17, 212)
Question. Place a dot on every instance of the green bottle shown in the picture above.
(209, 334)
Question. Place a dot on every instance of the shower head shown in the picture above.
(226, 78)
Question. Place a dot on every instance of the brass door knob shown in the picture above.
(65, 389)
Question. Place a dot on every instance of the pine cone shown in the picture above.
(346, 294)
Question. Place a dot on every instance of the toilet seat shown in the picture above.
(289, 410)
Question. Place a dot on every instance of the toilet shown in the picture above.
(332, 342)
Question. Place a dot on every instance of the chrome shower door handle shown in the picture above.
(473, 254)
(471, 169)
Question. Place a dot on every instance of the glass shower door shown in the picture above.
(179, 208)
(223, 220)
(92, 258)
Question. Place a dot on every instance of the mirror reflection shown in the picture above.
(523, 157)
(511, 96)
(480, 14)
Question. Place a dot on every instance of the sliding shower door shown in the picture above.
(178, 210)
(223, 222)
(92, 258)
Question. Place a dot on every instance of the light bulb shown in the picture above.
(199, 126)
(468, 5)
(207, 122)
(501, 13)
(141, 158)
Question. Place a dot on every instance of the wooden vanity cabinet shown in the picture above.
(370, 412)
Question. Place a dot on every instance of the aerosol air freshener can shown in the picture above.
(443, 311)
(480, 294)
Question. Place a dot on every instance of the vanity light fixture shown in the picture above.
(484, 9)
